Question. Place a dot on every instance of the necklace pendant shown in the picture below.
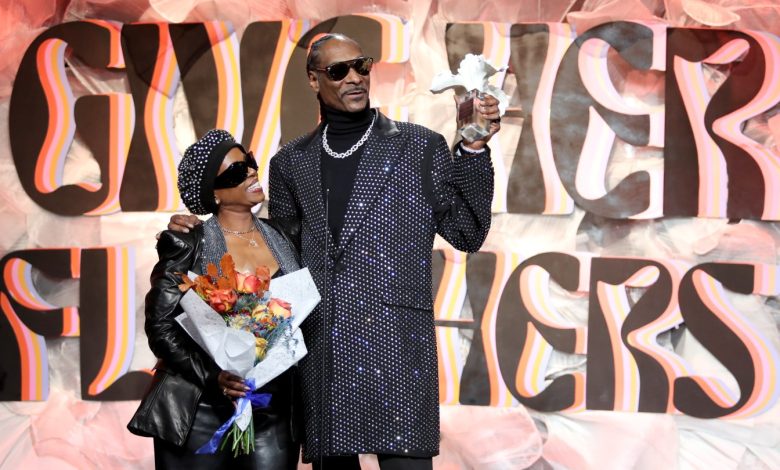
(253, 243)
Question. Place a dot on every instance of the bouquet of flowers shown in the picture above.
(244, 301)
(236, 320)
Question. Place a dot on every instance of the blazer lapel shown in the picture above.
(376, 165)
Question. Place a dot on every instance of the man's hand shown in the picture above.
(181, 223)
(487, 107)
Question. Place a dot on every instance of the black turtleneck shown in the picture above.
(338, 174)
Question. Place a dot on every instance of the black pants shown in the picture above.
(386, 462)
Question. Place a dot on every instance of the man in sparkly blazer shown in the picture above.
(371, 194)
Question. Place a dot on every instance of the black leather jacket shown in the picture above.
(184, 370)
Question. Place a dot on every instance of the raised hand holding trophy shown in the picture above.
(471, 83)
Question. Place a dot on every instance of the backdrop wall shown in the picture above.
(622, 314)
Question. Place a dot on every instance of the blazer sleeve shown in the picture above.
(281, 202)
(167, 340)
(289, 228)
(461, 193)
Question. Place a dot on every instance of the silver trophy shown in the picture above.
(471, 84)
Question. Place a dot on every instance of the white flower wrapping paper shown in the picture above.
(234, 350)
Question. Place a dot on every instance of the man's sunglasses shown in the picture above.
(338, 70)
(236, 173)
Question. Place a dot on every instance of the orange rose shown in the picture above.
(279, 308)
(222, 300)
(248, 283)
(261, 314)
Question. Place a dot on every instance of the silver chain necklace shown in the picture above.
(240, 234)
(352, 149)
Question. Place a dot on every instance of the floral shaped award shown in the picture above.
(471, 82)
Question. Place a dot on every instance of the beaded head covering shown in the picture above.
(199, 167)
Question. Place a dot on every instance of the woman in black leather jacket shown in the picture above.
(190, 396)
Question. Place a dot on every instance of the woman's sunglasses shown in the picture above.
(236, 173)
(338, 70)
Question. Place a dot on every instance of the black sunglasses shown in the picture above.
(338, 70)
(236, 173)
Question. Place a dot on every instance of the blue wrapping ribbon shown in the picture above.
(252, 398)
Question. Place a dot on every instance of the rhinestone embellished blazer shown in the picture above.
(370, 380)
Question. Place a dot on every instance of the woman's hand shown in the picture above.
(231, 385)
